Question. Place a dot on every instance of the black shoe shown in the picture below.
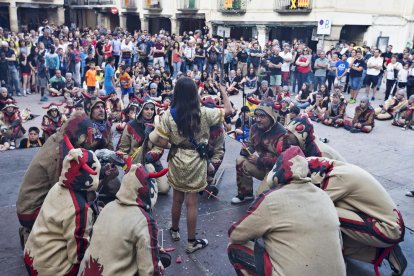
(355, 130)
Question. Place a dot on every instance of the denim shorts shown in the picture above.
(355, 83)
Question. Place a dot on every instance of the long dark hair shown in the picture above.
(187, 105)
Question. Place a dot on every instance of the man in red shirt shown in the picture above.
(158, 51)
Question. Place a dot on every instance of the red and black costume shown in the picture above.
(13, 120)
(51, 124)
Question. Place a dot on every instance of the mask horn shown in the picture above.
(84, 165)
(86, 95)
(139, 99)
(158, 174)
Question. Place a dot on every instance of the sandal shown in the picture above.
(196, 245)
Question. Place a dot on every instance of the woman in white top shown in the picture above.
(391, 75)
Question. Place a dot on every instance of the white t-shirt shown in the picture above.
(286, 65)
(390, 70)
(127, 47)
(374, 61)
(402, 75)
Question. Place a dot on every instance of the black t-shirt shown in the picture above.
(99, 47)
(199, 52)
(354, 73)
(255, 60)
(276, 60)
(24, 143)
(242, 56)
(4, 140)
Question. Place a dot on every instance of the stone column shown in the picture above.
(14, 26)
(144, 23)
(100, 20)
(175, 26)
(262, 35)
(332, 39)
(122, 21)
(60, 15)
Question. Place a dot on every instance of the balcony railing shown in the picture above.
(188, 5)
(129, 4)
(152, 5)
(232, 6)
(91, 2)
(293, 6)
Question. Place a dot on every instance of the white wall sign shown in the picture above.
(324, 26)
(221, 29)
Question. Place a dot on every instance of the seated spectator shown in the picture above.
(4, 96)
(363, 120)
(114, 107)
(33, 140)
(10, 118)
(128, 114)
(232, 83)
(56, 84)
(264, 91)
(243, 124)
(250, 81)
(167, 93)
(283, 93)
(70, 86)
(303, 98)
(335, 114)
(317, 108)
(283, 116)
(391, 106)
(405, 116)
(4, 141)
(69, 108)
(52, 121)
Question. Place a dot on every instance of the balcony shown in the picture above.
(91, 2)
(232, 6)
(129, 4)
(188, 5)
(293, 6)
(152, 5)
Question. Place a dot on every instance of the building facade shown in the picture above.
(370, 22)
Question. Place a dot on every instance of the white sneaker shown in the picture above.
(238, 200)
(410, 193)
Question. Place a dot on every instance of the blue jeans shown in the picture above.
(177, 68)
(319, 81)
(14, 80)
(127, 61)
(302, 78)
(302, 105)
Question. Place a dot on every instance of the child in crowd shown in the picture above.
(33, 140)
(42, 77)
(90, 78)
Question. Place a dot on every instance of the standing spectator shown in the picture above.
(321, 66)
(46, 39)
(90, 78)
(33, 61)
(189, 55)
(13, 75)
(42, 78)
(4, 69)
(71, 60)
(126, 49)
(78, 63)
(410, 81)
(287, 59)
(355, 76)
(159, 51)
(100, 50)
(242, 57)
(342, 67)
(176, 58)
(116, 49)
(52, 61)
(255, 56)
(374, 66)
(391, 75)
(275, 64)
(331, 75)
(25, 71)
(125, 82)
(107, 49)
(109, 76)
(302, 68)
(199, 56)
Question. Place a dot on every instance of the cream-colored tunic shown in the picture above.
(188, 172)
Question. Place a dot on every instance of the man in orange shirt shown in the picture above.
(125, 81)
(91, 79)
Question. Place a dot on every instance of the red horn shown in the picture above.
(158, 174)
(253, 100)
(67, 142)
(277, 106)
(86, 95)
(139, 99)
(128, 163)
(103, 98)
(88, 169)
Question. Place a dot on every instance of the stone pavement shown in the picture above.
(386, 153)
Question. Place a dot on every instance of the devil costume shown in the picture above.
(363, 116)
(51, 124)
(45, 168)
(285, 218)
(60, 235)
(124, 240)
(371, 224)
(12, 120)
(134, 142)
